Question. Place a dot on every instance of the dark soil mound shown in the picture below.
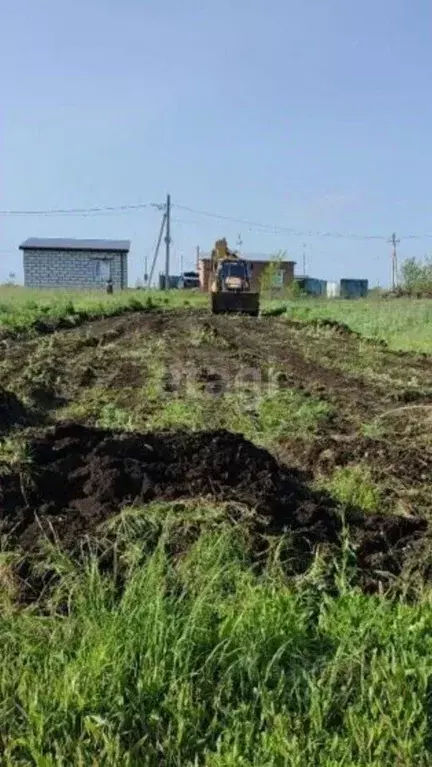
(12, 412)
(81, 476)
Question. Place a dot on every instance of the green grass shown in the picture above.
(267, 419)
(199, 660)
(20, 308)
(354, 486)
(404, 323)
(288, 413)
(13, 453)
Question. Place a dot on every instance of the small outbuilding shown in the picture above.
(75, 264)
(350, 288)
(311, 285)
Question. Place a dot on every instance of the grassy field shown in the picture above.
(176, 632)
(404, 323)
(21, 308)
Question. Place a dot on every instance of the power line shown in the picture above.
(278, 229)
(269, 231)
(251, 225)
(108, 209)
(81, 211)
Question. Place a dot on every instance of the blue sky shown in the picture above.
(312, 116)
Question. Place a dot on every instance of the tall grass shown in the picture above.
(20, 308)
(406, 324)
(199, 660)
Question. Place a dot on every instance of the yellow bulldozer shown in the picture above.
(230, 282)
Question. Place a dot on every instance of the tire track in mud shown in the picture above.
(351, 395)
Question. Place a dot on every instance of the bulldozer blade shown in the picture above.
(235, 303)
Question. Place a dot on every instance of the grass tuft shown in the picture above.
(198, 659)
(354, 486)
(288, 413)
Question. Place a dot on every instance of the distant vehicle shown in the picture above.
(231, 290)
(189, 280)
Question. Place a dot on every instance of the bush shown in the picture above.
(417, 276)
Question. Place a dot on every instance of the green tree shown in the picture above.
(417, 275)
(270, 273)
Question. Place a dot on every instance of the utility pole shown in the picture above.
(197, 257)
(145, 270)
(394, 243)
(304, 259)
(157, 249)
(167, 240)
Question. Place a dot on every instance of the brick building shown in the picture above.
(259, 263)
(75, 264)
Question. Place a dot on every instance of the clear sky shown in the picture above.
(312, 115)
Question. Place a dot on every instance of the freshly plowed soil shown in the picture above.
(379, 406)
(81, 476)
(12, 412)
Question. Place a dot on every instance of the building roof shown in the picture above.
(254, 257)
(65, 243)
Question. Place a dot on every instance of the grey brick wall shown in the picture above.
(124, 270)
(75, 269)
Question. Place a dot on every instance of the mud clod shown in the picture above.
(12, 411)
(81, 476)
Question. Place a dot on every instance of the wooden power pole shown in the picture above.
(162, 226)
(395, 242)
(167, 240)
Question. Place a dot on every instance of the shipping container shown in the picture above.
(333, 290)
(172, 281)
(312, 286)
(354, 288)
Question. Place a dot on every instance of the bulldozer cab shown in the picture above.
(234, 270)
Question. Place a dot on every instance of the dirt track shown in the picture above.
(304, 354)
(98, 472)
